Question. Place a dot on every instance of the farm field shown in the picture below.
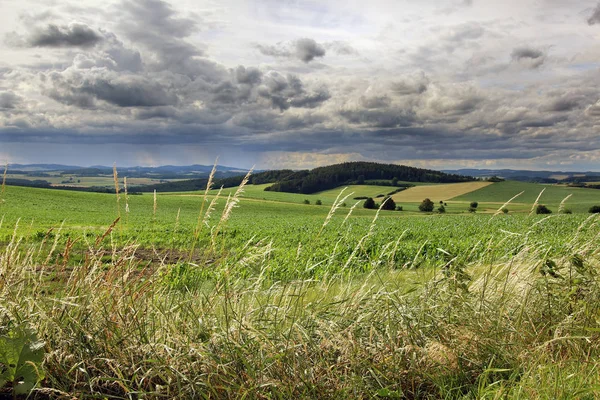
(87, 181)
(275, 298)
(580, 201)
(438, 192)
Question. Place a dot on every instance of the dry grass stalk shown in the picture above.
(336, 204)
(561, 207)
(350, 212)
(232, 202)
(154, 206)
(499, 211)
(536, 202)
(209, 185)
(126, 195)
(106, 233)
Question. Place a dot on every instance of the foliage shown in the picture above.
(426, 205)
(369, 203)
(594, 209)
(441, 209)
(388, 204)
(318, 202)
(306, 201)
(542, 209)
(21, 356)
(473, 204)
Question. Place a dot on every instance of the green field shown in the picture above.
(498, 193)
(281, 299)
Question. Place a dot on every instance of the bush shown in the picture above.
(318, 202)
(473, 204)
(306, 201)
(505, 210)
(388, 204)
(426, 205)
(369, 203)
(542, 209)
(399, 208)
(441, 209)
(594, 209)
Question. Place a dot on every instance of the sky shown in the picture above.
(441, 84)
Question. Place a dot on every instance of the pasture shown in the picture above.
(258, 295)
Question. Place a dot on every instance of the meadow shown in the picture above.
(254, 294)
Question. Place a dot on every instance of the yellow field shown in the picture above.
(437, 192)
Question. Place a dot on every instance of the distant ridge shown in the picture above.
(528, 175)
(352, 173)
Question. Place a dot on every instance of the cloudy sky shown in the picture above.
(297, 84)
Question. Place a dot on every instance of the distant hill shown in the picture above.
(191, 185)
(530, 176)
(35, 171)
(330, 177)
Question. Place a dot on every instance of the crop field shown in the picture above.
(580, 201)
(87, 181)
(438, 192)
(254, 294)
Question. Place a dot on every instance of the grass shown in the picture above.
(582, 199)
(276, 304)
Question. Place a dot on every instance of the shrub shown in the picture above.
(399, 208)
(505, 210)
(594, 209)
(426, 205)
(306, 201)
(441, 209)
(542, 209)
(318, 202)
(473, 204)
(369, 203)
(388, 204)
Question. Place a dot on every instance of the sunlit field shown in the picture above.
(233, 297)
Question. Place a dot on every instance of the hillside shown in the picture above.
(351, 173)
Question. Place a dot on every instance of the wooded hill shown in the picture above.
(359, 173)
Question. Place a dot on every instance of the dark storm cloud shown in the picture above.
(248, 76)
(304, 49)
(379, 118)
(562, 104)
(595, 17)
(288, 91)
(121, 91)
(154, 25)
(533, 58)
(410, 86)
(9, 100)
(72, 35)
(307, 49)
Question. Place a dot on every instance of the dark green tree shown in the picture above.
(542, 209)
(426, 205)
(388, 204)
(594, 209)
(369, 203)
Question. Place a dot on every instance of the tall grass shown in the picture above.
(520, 326)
